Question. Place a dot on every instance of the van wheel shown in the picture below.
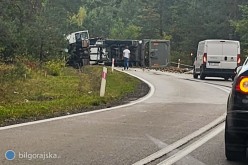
(226, 78)
(202, 76)
(194, 74)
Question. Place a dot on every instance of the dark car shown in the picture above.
(236, 130)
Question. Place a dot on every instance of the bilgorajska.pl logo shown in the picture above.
(43, 156)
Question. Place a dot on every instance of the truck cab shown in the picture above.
(78, 48)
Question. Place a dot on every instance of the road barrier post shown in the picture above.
(103, 82)
(178, 64)
(113, 64)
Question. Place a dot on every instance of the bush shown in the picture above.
(12, 72)
(185, 58)
(54, 67)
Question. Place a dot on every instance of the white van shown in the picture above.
(217, 58)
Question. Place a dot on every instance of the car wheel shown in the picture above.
(232, 154)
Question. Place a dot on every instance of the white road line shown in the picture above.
(180, 142)
(188, 160)
(151, 92)
(186, 139)
(157, 142)
(225, 89)
(193, 146)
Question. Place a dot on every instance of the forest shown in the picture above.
(36, 29)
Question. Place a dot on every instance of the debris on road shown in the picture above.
(175, 70)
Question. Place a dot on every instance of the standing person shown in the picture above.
(126, 56)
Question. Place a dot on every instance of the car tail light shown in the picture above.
(242, 84)
(238, 59)
(204, 58)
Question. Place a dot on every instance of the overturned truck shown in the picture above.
(144, 53)
(78, 49)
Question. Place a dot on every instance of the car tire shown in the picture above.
(232, 154)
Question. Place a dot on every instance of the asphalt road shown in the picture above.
(178, 107)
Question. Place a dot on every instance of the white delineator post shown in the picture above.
(113, 64)
(103, 82)
(178, 64)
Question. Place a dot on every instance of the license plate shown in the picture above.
(214, 64)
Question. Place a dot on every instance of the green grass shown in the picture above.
(39, 96)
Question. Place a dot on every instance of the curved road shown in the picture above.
(178, 107)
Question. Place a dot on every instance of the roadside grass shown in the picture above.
(33, 94)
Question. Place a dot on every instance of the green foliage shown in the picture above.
(122, 31)
(241, 27)
(37, 29)
(12, 73)
(54, 67)
(78, 18)
(184, 58)
(41, 97)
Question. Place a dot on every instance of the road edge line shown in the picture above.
(147, 96)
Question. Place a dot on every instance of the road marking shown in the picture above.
(188, 160)
(225, 89)
(158, 142)
(151, 92)
(186, 139)
(180, 154)
(180, 142)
